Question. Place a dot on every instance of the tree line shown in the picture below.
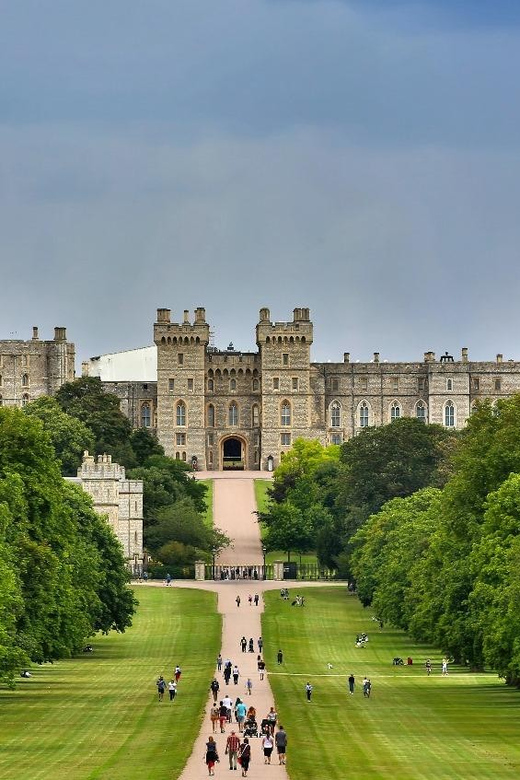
(427, 524)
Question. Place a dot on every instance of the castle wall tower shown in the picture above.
(181, 354)
(284, 349)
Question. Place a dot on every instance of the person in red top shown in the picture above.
(232, 746)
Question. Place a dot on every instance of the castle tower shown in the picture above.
(60, 360)
(181, 352)
(284, 349)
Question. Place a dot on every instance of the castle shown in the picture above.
(220, 409)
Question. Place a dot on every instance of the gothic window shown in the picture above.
(25, 380)
(256, 417)
(335, 415)
(210, 458)
(184, 456)
(210, 384)
(25, 399)
(233, 414)
(211, 416)
(232, 384)
(395, 411)
(180, 414)
(146, 416)
(285, 439)
(255, 384)
(285, 416)
(177, 456)
(498, 384)
(449, 384)
(449, 414)
(420, 411)
(363, 415)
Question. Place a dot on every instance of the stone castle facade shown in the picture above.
(230, 409)
(119, 499)
(30, 369)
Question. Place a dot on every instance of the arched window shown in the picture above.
(210, 384)
(335, 415)
(232, 384)
(449, 384)
(211, 416)
(146, 416)
(233, 414)
(420, 411)
(449, 414)
(25, 380)
(184, 456)
(25, 399)
(180, 415)
(256, 416)
(285, 416)
(255, 385)
(395, 411)
(364, 419)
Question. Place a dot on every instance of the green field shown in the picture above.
(413, 727)
(97, 716)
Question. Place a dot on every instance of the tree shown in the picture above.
(144, 445)
(289, 530)
(69, 436)
(165, 481)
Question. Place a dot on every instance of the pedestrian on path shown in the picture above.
(240, 713)
(279, 657)
(222, 716)
(251, 645)
(168, 579)
(227, 673)
(260, 644)
(245, 756)
(219, 662)
(256, 599)
(267, 745)
(161, 687)
(351, 684)
(308, 691)
(214, 688)
(211, 755)
(232, 746)
(214, 716)
(238, 601)
(250, 599)
(236, 674)
(249, 686)
(172, 689)
(243, 644)
(227, 701)
(261, 667)
(271, 718)
(281, 744)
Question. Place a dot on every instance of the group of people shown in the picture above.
(251, 599)
(361, 639)
(250, 645)
(367, 686)
(162, 685)
(239, 573)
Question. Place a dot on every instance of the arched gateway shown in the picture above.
(233, 454)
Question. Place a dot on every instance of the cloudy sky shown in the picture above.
(358, 157)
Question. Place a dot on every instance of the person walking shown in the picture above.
(351, 684)
(365, 687)
(214, 688)
(219, 662)
(238, 601)
(279, 657)
(240, 714)
(260, 644)
(261, 667)
(245, 756)
(214, 716)
(281, 744)
(267, 745)
(227, 701)
(428, 666)
(243, 644)
(222, 716)
(211, 755)
(251, 645)
(172, 689)
(271, 718)
(161, 687)
(168, 579)
(227, 673)
(444, 666)
(236, 674)
(256, 599)
(249, 686)
(232, 746)
(250, 599)
(178, 673)
(308, 691)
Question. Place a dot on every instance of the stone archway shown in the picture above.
(233, 454)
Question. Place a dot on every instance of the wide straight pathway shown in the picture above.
(233, 508)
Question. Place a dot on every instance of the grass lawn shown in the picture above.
(262, 498)
(97, 716)
(208, 498)
(464, 726)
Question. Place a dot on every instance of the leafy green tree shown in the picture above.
(181, 522)
(100, 411)
(144, 445)
(165, 481)
(69, 436)
(304, 458)
(289, 530)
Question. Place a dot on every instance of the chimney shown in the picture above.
(186, 317)
(346, 357)
(35, 332)
(464, 354)
(60, 334)
(265, 315)
(376, 357)
(200, 315)
(163, 315)
(85, 368)
(500, 357)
